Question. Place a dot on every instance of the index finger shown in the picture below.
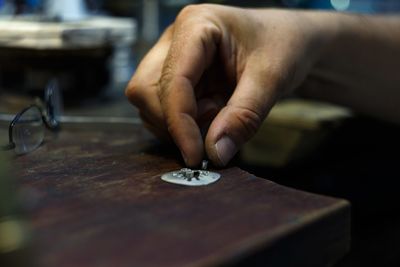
(192, 50)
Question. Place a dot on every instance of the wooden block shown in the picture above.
(98, 200)
(293, 130)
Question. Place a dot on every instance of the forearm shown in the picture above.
(360, 66)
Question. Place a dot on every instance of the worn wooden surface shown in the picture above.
(97, 200)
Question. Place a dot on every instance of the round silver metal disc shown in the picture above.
(199, 178)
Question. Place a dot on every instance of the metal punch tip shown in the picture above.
(204, 165)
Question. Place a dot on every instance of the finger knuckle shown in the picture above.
(249, 121)
(188, 11)
(281, 78)
(133, 92)
(195, 12)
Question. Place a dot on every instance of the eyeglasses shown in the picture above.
(26, 130)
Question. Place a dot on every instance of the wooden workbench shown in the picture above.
(97, 200)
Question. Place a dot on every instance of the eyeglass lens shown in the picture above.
(28, 131)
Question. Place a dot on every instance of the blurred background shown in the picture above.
(92, 48)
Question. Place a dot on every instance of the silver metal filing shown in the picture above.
(191, 177)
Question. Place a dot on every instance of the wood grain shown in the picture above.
(97, 200)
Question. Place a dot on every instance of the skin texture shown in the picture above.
(213, 76)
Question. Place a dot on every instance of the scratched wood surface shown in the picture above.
(97, 200)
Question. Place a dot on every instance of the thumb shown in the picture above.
(238, 121)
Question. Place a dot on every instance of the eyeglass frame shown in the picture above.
(46, 109)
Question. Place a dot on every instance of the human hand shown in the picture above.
(217, 71)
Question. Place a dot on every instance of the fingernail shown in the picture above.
(226, 149)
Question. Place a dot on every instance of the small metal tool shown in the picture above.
(204, 165)
(189, 177)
